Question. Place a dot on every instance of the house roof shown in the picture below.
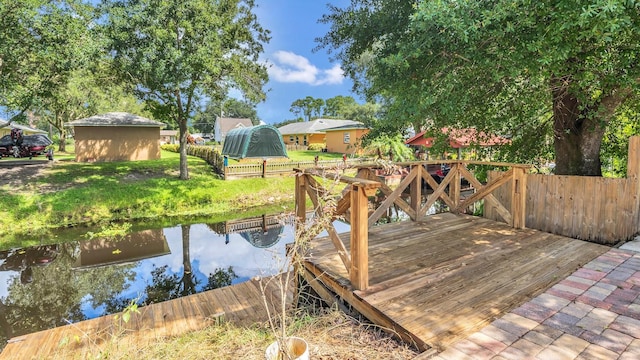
(116, 119)
(317, 126)
(459, 138)
(168, 132)
(23, 128)
(420, 140)
(227, 124)
(356, 125)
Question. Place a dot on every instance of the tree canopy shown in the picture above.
(53, 64)
(337, 107)
(176, 53)
(309, 107)
(42, 43)
(536, 71)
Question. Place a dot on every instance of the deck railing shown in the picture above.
(353, 203)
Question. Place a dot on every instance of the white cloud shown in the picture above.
(289, 67)
(335, 75)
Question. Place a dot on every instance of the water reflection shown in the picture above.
(47, 286)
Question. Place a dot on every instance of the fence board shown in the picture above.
(577, 210)
(626, 215)
(589, 210)
(609, 216)
(533, 188)
(551, 212)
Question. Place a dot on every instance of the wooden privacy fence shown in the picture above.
(353, 203)
(601, 210)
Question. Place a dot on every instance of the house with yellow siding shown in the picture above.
(310, 132)
(346, 139)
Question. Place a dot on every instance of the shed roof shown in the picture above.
(317, 126)
(354, 126)
(116, 119)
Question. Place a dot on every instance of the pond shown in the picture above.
(46, 286)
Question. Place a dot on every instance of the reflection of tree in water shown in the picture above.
(166, 285)
(55, 293)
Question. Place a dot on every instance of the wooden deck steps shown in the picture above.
(241, 304)
(441, 279)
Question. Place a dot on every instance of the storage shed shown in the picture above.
(260, 141)
(116, 136)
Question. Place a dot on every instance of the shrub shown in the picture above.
(316, 147)
(171, 147)
(207, 153)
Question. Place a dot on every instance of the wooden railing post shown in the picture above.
(633, 174)
(359, 272)
(518, 198)
(301, 196)
(454, 185)
(416, 190)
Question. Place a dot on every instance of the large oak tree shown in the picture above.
(533, 70)
(177, 53)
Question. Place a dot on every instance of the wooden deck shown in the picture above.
(439, 280)
(240, 304)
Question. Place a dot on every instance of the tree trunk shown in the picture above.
(189, 285)
(184, 171)
(62, 143)
(577, 134)
(579, 129)
(4, 323)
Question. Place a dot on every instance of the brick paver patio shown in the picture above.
(592, 314)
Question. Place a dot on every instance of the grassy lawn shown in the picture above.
(300, 155)
(67, 193)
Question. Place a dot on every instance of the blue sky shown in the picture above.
(295, 71)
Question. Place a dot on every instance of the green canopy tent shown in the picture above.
(256, 141)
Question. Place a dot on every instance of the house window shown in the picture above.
(346, 138)
(304, 140)
(291, 139)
